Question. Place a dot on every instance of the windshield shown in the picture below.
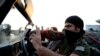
(11, 28)
(15, 19)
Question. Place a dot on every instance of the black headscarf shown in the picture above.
(77, 21)
(72, 37)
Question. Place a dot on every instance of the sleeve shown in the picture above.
(51, 35)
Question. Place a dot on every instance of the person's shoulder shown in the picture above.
(81, 41)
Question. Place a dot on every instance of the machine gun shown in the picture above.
(5, 7)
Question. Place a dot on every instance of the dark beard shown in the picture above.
(72, 37)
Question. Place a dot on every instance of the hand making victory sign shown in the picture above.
(36, 37)
(36, 42)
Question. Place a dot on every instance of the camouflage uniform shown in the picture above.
(64, 46)
(81, 48)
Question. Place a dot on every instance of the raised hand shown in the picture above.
(36, 38)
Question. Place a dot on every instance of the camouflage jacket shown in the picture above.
(80, 47)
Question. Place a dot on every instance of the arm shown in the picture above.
(51, 35)
(43, 51)
(74, 54)
(36, 41)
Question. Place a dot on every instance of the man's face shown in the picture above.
(71, 27)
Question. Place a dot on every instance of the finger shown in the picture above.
(38, 31)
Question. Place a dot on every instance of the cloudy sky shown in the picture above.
(49, 13)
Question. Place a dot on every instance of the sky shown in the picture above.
(48, 13)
